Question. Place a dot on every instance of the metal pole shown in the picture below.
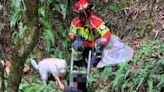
(89, 64)
(71, 71)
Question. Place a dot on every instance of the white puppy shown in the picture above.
(48, 66)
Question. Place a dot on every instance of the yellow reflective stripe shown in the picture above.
(76, 59)
(77, 55)
(102, 32)
(73, 30)
(76, 52)
(84, 33)
(93, 37)
(88, 36)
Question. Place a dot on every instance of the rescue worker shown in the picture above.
(87, 31)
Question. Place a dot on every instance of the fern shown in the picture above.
(144, 73)
(15, 13)
(107, 72)
(49, 39)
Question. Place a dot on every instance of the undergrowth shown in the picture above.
(55, 38)
(35, 85)
(144, 73)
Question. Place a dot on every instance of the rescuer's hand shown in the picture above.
(103, 41)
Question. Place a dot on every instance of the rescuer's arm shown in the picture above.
(59, 83)
(105, 34)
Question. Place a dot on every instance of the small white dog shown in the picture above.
(49, 66)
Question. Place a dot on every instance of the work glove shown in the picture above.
(98, 51)
(71, 37)
(99, 47)
(103, 41)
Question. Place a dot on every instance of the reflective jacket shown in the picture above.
(93, 29)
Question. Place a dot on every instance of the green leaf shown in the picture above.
(14, 18)
(60, 55)
(124, 86)
(161, 83)
(140, 82)
(16, 3)
(62, 9)
(160, 62)
(131, 89)
(41, 1)
(118, 80)
(92, 79)
(15, 36)
(107, 72)
(150, 84)
(127, 73)
(41, 11)
(48, 39)
(45, 23)
(50, 36)
(22, 30)
(113, 7)
(23, 85)
(52, 56)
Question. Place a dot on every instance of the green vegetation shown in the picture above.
(51, 36)
(35, 85)
(52, 43)
(143, 74)
(117, 7)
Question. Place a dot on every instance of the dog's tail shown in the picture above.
(34, 64)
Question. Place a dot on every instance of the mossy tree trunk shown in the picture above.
(2, 87)
(2, 52)
(24, 46)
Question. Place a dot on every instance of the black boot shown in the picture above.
(95, 60)
(97, 55)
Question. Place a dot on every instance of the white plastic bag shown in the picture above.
(115, 52)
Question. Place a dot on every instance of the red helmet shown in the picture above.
(81, 5)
